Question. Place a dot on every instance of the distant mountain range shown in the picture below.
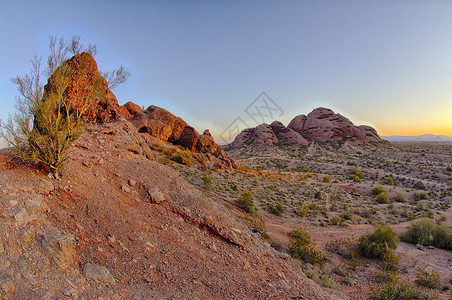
(418, 138)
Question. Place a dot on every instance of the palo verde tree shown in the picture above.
(42, 131)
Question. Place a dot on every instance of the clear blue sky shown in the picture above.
(385, 63)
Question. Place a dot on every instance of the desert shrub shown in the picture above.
(207, 181)
(427, 232)
(302, 247)
(420, 196)
(399, 198)
(376, 244)
(345, 247)
(419, 185)
(245, 202)
(380, 195)
(302, 210)
(419, 233)
(277, 209)
(378, 190)
(326, 179)
(442, 237)
(43, 131)
(390, 261)
(320, 279)
(395, 289)
(388, 180)
(356, 175)
(430, 280)
(382, 198)
(184, 157)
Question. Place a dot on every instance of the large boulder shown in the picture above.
(164, 126)
(79, 80)
(322, 124)
(288, 134)
(258, 136)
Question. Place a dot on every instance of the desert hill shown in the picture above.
(122, 223)
(322, 125)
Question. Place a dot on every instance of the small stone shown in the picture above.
(23, 217)
(34, 205)
(45, 187)
(431, 247)
(125, 189)
(2, 248)
(98, 273)
(156, 196)
(62, 249)
(132, 182)
(13, 203)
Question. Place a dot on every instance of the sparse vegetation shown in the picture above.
(184, 157)
(42, 131)
(303, 247)
(427, 232)
(395, 289)
(246, 202)
(377, 244)
(430, 280)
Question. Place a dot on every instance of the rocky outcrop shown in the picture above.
(260, 135)
(322, 125)
(265, 134)
(288, 134)
(164, 126)
(79, 80)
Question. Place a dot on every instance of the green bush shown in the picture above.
(390, 262)
(399, 198)
(395, 289)
(302, 247)
(320, 279)
(377, 244)
(378, 190)
(427, 232)
(245, 202)
(382, 198)
(419, 185)
(184, 157)
(419, 233)
(388, 180)
(442, 237)
(277, 209)
(428, 280)
(420, 196)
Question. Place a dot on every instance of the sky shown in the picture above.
(227, 65)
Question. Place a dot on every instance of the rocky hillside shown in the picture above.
(122, 223)
(321, 125)
(85, 85)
